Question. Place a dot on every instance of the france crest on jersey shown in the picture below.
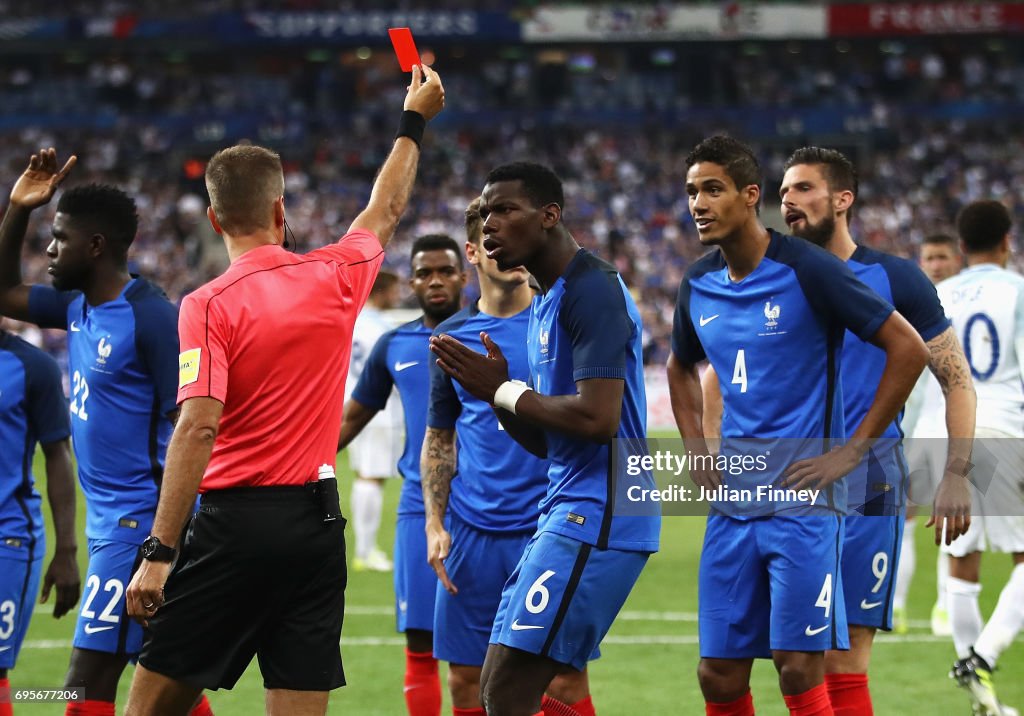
(587, 326)
(402, 358)
(774, 339)
(498, 484)
(123, 365)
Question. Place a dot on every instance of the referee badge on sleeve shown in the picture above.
(188, 367)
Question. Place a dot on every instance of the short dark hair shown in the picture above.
(102, 209)
(436, 242)
(941, 240)
(474, 222)
(983, 224)
(840, 173)
(243, 182)
(736, 157)
(541, 185)
(384, 281)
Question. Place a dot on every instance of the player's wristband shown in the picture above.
(508, 393)
(411, 125)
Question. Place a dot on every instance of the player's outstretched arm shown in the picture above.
(354, 418)
(685, 395)
(391, 190)
(62, 571)
(905, 357)
(33, 189)
(187, 457)
(951, 510)
(437, 468)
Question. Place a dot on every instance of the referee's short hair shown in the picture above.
(244, 181)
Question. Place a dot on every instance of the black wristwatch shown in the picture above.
(156, 551)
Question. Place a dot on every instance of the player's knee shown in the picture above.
(97, 672)
(795, 677)
(718, 683)
(464, 685)
(500, 695)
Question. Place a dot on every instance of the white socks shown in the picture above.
(905, 570)
(964, 614)
(367, 501)
(1006, 620)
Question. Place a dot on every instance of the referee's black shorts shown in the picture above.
(259, 573)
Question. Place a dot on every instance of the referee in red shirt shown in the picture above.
(265, 352)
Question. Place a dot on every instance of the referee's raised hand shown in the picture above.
(426, 93)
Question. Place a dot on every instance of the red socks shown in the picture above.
(743, 706)
(553, 707)
(202, 708)
(422, 684)
(585, 707)
(6, 709)
(813, 702)
(89, 708)
(478, 711)
(849, 694)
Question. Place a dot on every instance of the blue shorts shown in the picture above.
(771, 583)
(871, 553)
(563, 597)
(19, 585)
(479, 564)
(103, 621)
(415, 579)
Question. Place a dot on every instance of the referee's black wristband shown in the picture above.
(411, 125)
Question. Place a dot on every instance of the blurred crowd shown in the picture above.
(623, 181)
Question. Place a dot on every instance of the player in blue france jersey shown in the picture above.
(769, 312)
(401, 359)
(489, 486)
(586, 391)
(32, 411)
(122, 355)
(818, 193)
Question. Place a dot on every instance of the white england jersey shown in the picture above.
(371, 324)
(986, 305)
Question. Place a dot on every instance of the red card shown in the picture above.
(405, 48)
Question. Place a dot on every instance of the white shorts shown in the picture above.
(926, 461)
(997, 487)
(375, 451)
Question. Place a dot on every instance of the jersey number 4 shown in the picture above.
(739, 371)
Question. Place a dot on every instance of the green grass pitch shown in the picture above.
(649, 658)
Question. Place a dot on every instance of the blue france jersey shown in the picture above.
(123, 364)
(401, 358)
(902, 283)
(587, 326)
(498, 484)
(775, 339)
(32, 410)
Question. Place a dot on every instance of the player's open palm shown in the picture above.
(426, 93)
(480, 375)
(36, 186)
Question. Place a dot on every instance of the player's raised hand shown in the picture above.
(62, 574)
(951, 510)
(37, 184)
(439, 544)
(426, 93)
(481, 375)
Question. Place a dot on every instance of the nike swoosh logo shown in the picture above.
(399, 367)
(74, 327)
(90, 629)
(5, 648)
(865, 604)
(811, 632)
(709, 319)
(516, 626)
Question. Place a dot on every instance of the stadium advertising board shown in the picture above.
(924, 18)
(626, 22)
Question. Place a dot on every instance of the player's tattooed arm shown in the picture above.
(952, 506)
(437, 468)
